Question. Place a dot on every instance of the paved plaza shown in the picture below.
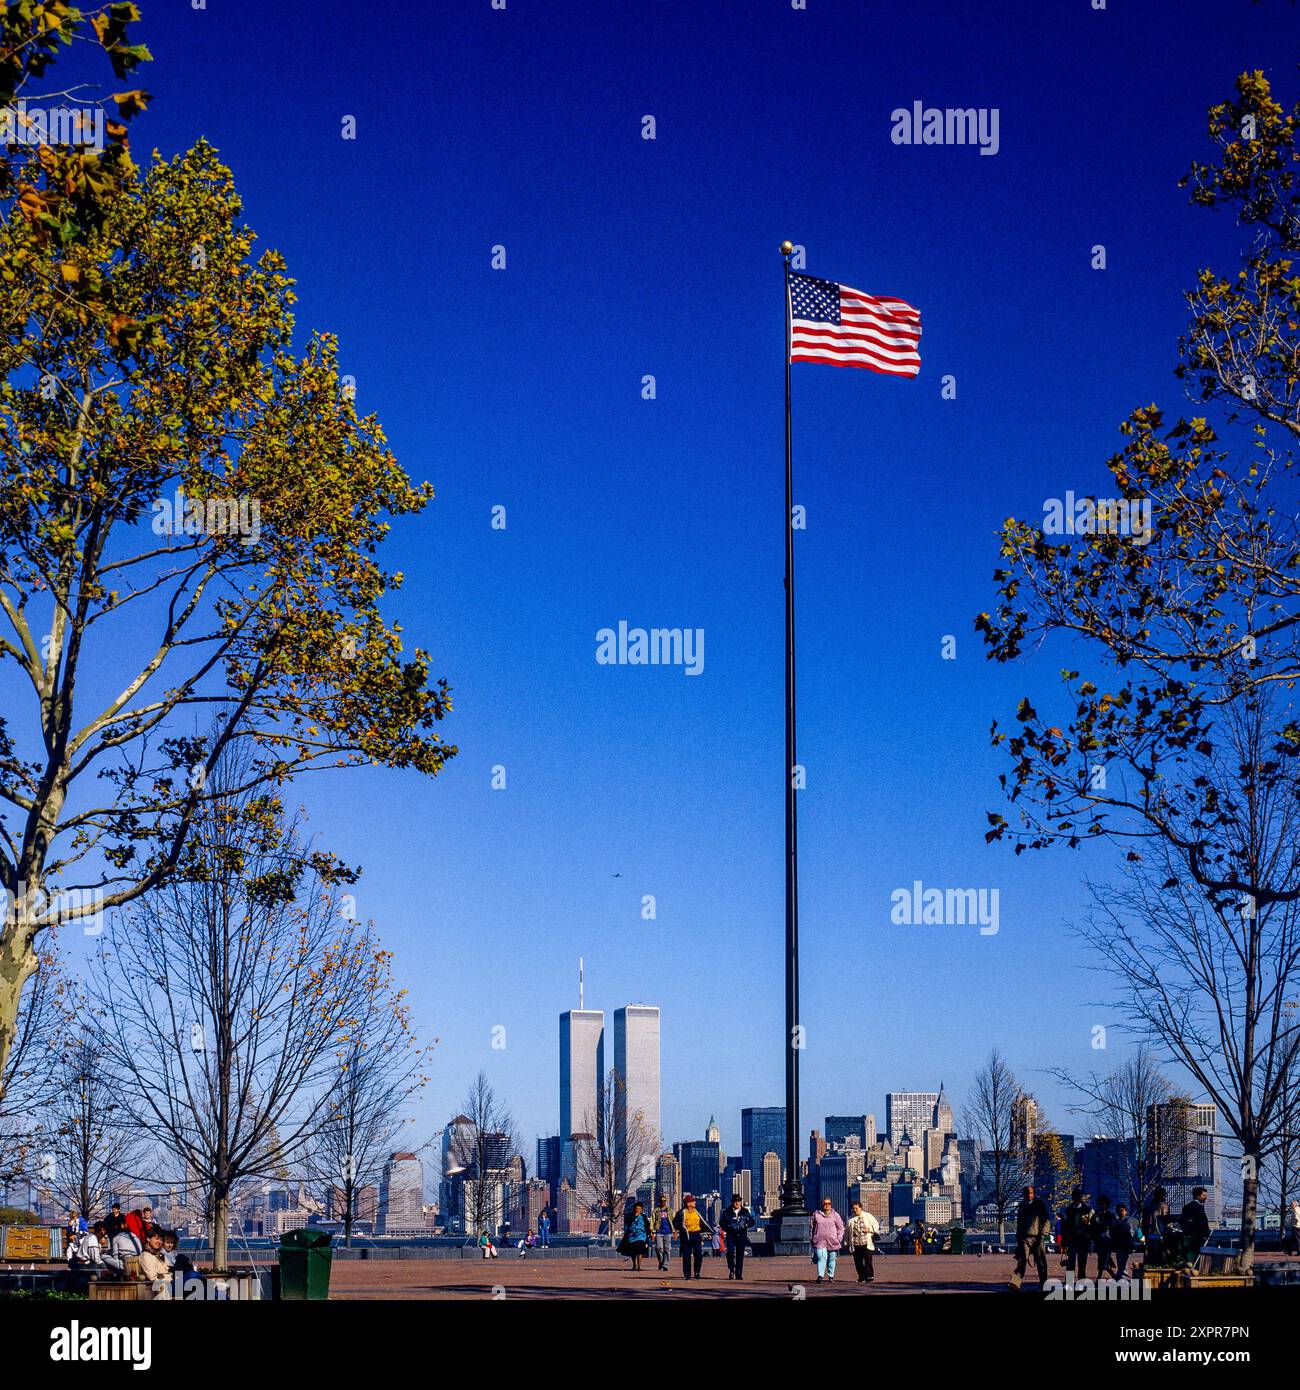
(603, 1278)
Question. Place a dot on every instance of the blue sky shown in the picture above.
(522, 388)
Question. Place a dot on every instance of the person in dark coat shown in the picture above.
(1076, 1233)
(737, 1221)
(1196, 1227)
(1103, 1220)
(1033, 1226)
(1121, 1240)
(1154, 1217)
(114, 1221)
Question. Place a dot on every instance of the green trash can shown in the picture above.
(957, 1237)
(305, 1258)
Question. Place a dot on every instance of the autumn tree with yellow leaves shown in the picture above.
(191, 510)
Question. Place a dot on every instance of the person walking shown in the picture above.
(691, 1228)
(663, 1230)
(1121, 1240)
(1196, 1227)
(636, 1236)
(860, 1239)
(826, 1235)
(737, 1222)
(1076, 1233)
(1103, 1220)
(1033, 1226)
(1155, 1216)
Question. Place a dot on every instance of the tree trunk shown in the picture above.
(221, 1234)
(17, 966)
(1249, 1204)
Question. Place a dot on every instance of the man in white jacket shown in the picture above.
(860, 1236)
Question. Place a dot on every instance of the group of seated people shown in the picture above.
(118, 1240)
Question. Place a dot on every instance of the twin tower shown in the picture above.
(591, 1102)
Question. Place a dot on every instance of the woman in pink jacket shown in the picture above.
(826, 1232)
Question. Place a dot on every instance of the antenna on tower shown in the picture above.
(580, 984)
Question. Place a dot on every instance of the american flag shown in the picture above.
(833, 323)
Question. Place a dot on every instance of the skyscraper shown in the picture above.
(912, 1111)
(668, 1179)
(1180, 1138)
(401, 1194)
(701, 1166)
(840, 1127)
(636, 1093)
(762, 1130)
(582, 1073)
(769, 1192)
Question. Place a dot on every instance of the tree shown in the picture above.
(1120, 1103)
(378, 1073)
(224, 996)
(1180, 744)
(1054, 1176)
(483, 1147)
(619, 1145)
(189, 518)
(996, 1115)
(90, 1142)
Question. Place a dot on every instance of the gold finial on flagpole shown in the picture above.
(787, 247)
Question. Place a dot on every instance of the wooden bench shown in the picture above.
(119, 1290)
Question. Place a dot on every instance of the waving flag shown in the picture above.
(833, 323)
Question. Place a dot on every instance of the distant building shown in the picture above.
(933, 1209)
(1181, 1139)
(582, 1074)
(455, 1140)
(401, 1194)
(1024, 1123)
(668, 1180)
(838, 1173)
(636, 1064)
(700, 1161)
(874, 1197)
(839, 1128)
(762, 1131)
(365, 1204)
(909, 1112)
(531, 1199)
(550, 1159)
(769, 1192)
(902, 1200)
(1108, 1166)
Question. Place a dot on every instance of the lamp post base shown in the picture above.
(787, 1229)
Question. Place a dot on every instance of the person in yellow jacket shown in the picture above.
(691, 1228)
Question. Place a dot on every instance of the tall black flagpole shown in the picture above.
(792, 1200)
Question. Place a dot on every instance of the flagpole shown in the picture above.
(792, 1198)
